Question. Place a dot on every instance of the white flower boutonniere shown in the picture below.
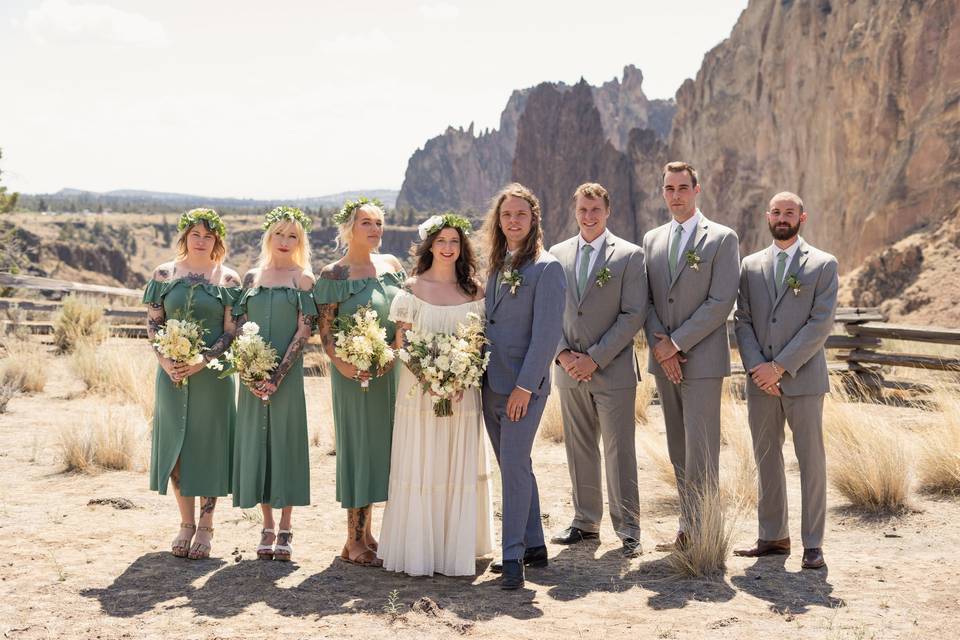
(794, 284)
(693, 260)
(604, 277)
(513, 279)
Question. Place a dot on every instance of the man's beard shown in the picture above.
(782, 233)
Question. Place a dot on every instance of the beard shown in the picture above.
(781, 231)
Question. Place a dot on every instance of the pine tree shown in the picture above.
(7, 202)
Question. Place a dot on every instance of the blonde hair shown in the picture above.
(217, 254)
(497, 241)
(592, 190)
(301, 253)
(345, 229)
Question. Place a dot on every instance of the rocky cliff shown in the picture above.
(852, 104)
(462, 170)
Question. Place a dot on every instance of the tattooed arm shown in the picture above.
(304, 328)
(328, 313)
(155, 319)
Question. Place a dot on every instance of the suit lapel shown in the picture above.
(568, 259)
(491, 292)
(695, 239)
(661, 250)
(796, 265)
(606, 250)
(766, 265)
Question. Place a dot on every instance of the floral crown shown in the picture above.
(433, 224)
(287, 213)
(207, 216)
(350, 205)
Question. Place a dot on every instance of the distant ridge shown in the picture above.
(184, 200)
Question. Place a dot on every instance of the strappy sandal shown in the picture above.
(282, 550)
(265, 551)
(181, 546)
(367, 558)
(201, 550)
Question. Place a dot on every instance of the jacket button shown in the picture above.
(668, 329)
(669, 299)
(493, 321)
(579, 313)
(774, 321)
(769, 346)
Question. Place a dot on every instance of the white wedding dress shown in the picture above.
(438, 517)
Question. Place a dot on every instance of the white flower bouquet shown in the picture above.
(361, 341)
(181, 341)
(446, 364)
(249, 356)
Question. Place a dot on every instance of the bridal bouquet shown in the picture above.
(360, 340)
(181, 341)
(446, 364)
(249, 356)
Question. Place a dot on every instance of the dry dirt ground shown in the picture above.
(75, 570)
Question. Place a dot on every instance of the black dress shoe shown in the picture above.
(532, 557)
(573, 535)
(512, 575)
(631, 547)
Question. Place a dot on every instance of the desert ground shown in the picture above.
(76, 568)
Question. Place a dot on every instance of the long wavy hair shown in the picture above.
(301, 253)
(497, 242)
(465, 267)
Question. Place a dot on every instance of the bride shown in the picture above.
(438, 513)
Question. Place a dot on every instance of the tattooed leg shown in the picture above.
(186, 506)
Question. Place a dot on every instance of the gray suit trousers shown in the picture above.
(512, 444)
(804, 414)
(589, 417)
(691, 412)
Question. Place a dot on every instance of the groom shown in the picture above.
(788, 295)
(524, 309)
(596, 374)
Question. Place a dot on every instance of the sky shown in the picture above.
(298, 98)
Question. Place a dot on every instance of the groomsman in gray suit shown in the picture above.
(788, 296)
(596, 373)
(692, 268)
(524, 310)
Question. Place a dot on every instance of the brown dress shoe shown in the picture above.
(813, 559)
(766, 548)
(679, 543)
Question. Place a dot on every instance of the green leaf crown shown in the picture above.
(348, 207)
(434, 224)
(208, 216)
(287, 213)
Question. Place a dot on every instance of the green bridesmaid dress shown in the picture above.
(194, 422)
(363, 420)
(271, 462)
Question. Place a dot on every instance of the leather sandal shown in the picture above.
(201, 550)
(366, 558)
(265, 551)
(283, 549)
(181, 546)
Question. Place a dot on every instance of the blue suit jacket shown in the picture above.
(525, 328)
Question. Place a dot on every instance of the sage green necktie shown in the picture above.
(675, 250)
(781, 267)
(584, 268)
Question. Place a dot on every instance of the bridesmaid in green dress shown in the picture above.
(271, 464)
(363, 420)
(193, 423)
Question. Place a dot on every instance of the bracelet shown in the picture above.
(777, 369)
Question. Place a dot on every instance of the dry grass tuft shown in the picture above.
(866, 459)
(710, 538)
(118, 371)
(79, 320)
(7, 391)
(662, 467)
(551, 424)
(646, 389)
(738, 469)
(938, 465)
(110, 441)
(25, 367)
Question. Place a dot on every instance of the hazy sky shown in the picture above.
(300, 98)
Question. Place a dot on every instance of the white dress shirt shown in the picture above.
(597, 244)
(790, 251)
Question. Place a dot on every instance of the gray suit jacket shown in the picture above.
(604, 321)
(523, 329)
(789, 328)
(692, 308)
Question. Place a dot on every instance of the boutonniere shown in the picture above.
(604, 276)
(513, 279)
(794, 284)
(693, 260)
